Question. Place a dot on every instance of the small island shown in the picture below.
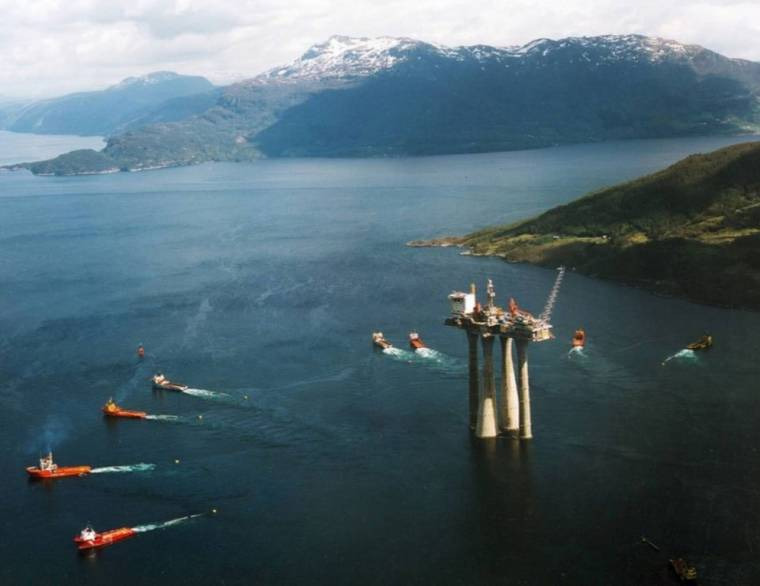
(691, 230)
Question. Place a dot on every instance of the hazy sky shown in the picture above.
(49, 47)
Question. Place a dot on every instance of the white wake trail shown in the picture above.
(164, 417)
(165, 524)
(424, 356)
(206, 394)
(132, 468)
(428, 353)
(437, 359)
(684, 355)
(398, 353)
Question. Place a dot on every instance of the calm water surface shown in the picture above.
(17, 147)
(329, 462)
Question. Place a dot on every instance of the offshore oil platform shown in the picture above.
(514, 327)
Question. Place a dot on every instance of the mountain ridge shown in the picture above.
(339, 54)
(106, 111)
(398, 96)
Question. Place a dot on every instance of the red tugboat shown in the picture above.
(49, 469)
(111, 409)
(579, 338)
(379, 341)
(415, 342)
(161, 383)
(88, 538)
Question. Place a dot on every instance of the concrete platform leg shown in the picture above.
(472, 340)
(510, 407)
(486, 425)
(522, 361)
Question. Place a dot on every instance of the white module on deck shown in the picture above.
(462, 303)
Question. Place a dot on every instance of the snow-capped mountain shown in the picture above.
(148, 79)
(344, 57)
(400, 96)
(610, 48)
(407, 96)
(348, 58)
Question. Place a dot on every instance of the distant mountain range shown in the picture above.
(691, 230)
(397, 96)
(136, 101)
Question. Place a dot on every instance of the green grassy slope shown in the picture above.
(692, 230)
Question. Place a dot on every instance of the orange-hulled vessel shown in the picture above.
(379, 340)
(415, 342)
(49, 469)
(88, 538)
(579, 338)
(111, 409)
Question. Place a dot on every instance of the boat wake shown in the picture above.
(684, 355)
(427, 356)
(398, 353)
(437, 358)
(196, 322)
(163, 417)
(133, 468)
(206, 394)
(576, 352)
(165, 524)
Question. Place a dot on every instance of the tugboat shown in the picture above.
(703, 343)
(379, 341)
(88, 538)
(684, 571)
(161, 383)
(49, 469)
(111, 409)
(415, 342)
(579, 338)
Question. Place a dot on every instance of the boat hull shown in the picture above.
(170, 387)
(125, 413)
(105, 539)
(699, 346)
(416, 344)
(60, 472)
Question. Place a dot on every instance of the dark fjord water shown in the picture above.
(344, 465)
